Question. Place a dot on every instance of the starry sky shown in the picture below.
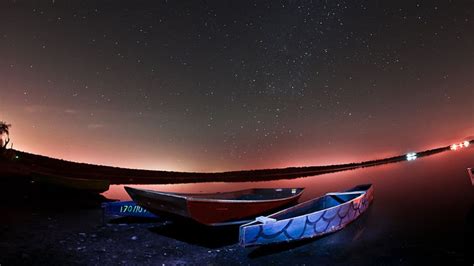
(228, 85)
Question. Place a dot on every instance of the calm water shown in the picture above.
(438, 176)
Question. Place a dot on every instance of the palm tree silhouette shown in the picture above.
(5, 130)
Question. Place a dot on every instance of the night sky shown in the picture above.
(227, 85)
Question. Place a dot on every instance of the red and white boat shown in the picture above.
(234, 207)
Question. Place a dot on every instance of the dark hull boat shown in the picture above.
(312, 218)
(81, 184)
(126, 209)
(218, 208)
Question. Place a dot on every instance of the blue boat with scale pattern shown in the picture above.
(309, 219)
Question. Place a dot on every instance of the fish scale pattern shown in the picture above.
(313, 225)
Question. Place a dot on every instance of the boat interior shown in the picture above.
(250, 194)
(327, 201)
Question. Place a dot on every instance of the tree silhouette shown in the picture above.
(5, 130)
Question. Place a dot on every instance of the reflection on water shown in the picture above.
(408, 179)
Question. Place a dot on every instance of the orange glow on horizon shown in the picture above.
(103, 147)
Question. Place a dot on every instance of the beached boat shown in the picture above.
(92, 185)
(126, 209)
(217, 208)
(471, 175)
(312, 218)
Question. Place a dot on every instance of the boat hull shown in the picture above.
(207, 211)
(81, 184)
(215, 213)
(126, 209)
(304, 226)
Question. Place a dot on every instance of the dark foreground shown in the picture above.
(423, 213)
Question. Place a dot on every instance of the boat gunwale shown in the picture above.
(210, 200)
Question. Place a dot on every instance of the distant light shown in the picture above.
(411, 156)
(460, 145)
(16, 157)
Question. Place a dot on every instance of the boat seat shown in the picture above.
(265, 220)
(337, 198)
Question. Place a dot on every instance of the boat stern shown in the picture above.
(249, 234)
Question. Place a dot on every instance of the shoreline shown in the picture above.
(22, 165)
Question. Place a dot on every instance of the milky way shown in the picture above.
(225, 85)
